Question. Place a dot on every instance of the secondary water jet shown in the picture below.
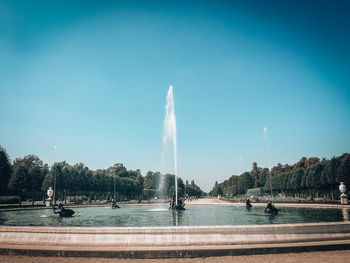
(266, 140)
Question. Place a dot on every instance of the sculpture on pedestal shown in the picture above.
(343, 196)
(49, 194)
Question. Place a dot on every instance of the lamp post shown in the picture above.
(114, 199)
(54, 190)
(54, 183)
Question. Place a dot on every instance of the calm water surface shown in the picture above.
(199, 215)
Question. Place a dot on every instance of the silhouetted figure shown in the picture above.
(114, 204)
(248, 204)
(63, 212)
(180, 203)
(270, 209)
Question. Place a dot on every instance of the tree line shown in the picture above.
(307, 178)
(29, 178)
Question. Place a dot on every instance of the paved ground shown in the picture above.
(310, 257)
(207, 201)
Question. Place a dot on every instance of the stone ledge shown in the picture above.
(175, 252)
(194, 241)
(324, 227)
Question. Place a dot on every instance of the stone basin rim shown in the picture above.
(167, 242)
(345, 225)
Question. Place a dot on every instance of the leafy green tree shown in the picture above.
(308, 177)
(181, 186)
(343, 174)
(217, 190)
(331, 171)
(329, 175)
(47, 182)
(5, 171)
(298, 177)
(314, 176)
(28, 175)
(61, 178)
(247, 181)
(263, 176)
(255, 172)
(193, 189)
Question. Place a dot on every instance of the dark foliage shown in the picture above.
(29, 178)
(309, 177)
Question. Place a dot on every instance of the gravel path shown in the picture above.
(310, 257)
(207, 201)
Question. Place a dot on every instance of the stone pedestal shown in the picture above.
(343, 199)
(48, 202)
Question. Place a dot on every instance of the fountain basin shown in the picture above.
(159, 215)
(182, 240)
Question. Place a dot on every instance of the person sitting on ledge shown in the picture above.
(248, 204)
(270, 209)
(63, 212)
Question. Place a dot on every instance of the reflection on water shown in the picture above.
(199, 215)
(158, 209)
(345, 213)
(177, 217)
(271, 218)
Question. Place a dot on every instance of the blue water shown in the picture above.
(156, 215)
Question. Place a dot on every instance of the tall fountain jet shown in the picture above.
(169, 132)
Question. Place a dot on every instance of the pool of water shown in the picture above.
(155, 215)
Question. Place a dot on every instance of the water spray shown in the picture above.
(169, 133)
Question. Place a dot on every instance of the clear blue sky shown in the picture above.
(91, 77)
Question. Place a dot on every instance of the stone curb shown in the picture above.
(178, 252)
